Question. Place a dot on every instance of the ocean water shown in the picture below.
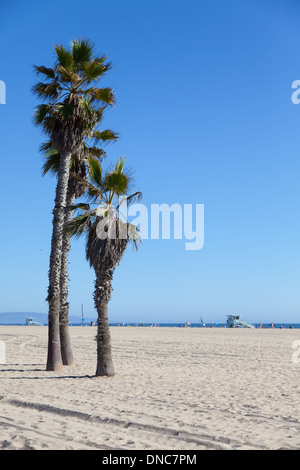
(180, 325)
(207, 325)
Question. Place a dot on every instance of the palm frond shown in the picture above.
(92, 194)
(78, 225)
(135, 197)
(99, 113)
(47, 90)
(82, 51)
(44, 147)
(67, 76)
(51, 164)
(48, 125)
(95, 152)
(116, 182)
(105, 95)
(120, 165)
(64, 57)
(92, 71)
(104, 136)
(81, 205)
(95, 172)
(40, 113)
(43, 117)
(45, 71)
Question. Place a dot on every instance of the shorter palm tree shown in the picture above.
(107, 239)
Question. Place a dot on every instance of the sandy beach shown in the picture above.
(174, 389)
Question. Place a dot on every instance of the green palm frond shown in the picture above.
(104, 95)
(45, 147)
(51, 159)
(48, 125)
(135, 197)
(120, 165)
(79, 225)
(99, 113)
(128, 172)
(104, 136)
(43, 116)
(81, 205)
(45, 71)
(40, 113)
(93, 193)
(64, 57)
(95, 152)
(82, 51)
(92, 71)
(116, 182)
(47, 90)
(67, 76)
(95, 172)
(51, 164)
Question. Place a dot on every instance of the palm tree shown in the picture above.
(72, 108)
(107, 239)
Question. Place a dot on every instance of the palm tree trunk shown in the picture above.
(101, 297)
(54, 360)
(65, 340)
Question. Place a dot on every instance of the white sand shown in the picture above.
(175, 389)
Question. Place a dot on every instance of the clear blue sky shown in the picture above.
(205, 115)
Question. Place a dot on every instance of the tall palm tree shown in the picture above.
(107, 239)
(72, 108)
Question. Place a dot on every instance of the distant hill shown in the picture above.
(19, 318)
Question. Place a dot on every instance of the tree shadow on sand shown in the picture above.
(42, 370)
